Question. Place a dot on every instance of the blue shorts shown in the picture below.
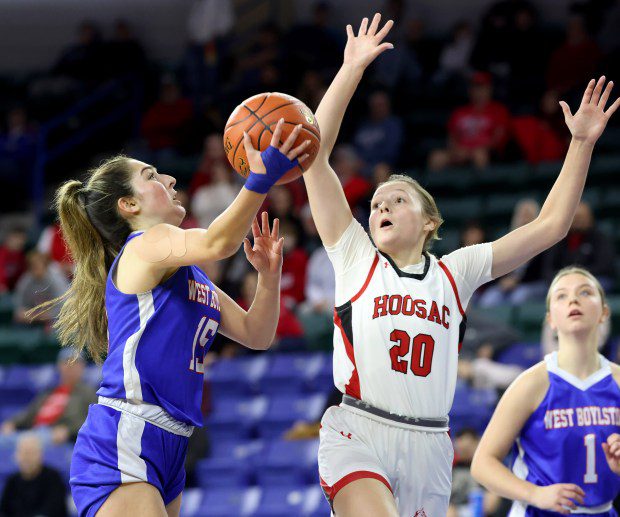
(115, 447)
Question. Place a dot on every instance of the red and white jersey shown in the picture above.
(398, 331)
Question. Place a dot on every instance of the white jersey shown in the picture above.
(398, 331)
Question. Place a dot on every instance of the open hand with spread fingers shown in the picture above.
(361, 50)
(588, 124)
(265, 254)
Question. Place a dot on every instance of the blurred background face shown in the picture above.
(472, 234)
(38, 263)
(29, 455)
(584, 219)
(213, 146)
(16, 240)
(346, 162)
(525, 212)
(380, 106)
(248, 287)
(480, 93)
(280, 201)
(71, 371)
(466, 444)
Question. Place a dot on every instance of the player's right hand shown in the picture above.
(361, 50)
(254, 156)
(559, 497)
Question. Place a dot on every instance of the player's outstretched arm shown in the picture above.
(329, 206)
(256, 327)
(511, 414)
(556, 215)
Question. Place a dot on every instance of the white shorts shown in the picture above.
(415, 465)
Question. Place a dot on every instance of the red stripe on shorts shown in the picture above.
(331, 491)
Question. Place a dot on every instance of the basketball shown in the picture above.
(259, 115)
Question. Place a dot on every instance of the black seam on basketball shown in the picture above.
(245, 118)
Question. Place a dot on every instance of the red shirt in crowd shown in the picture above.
(473, 127)
(53, 407)
(356, 190)
(537, 139)
(293, 281)
(288, 324)
(12, 265)
(164, 122)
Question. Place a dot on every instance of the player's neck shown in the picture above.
(404, 258)
(578, 355)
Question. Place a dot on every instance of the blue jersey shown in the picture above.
(561, 441)
(157, 341)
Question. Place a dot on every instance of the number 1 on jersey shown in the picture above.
(204, 332)
(589, 440)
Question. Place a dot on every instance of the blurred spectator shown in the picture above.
(584, 246)
(485, 373)
(575, 62)
(289, 327)
(17, 147)
(85, 60)
(281, 203)
(35, 490)
(295, 263)
(52, 244)
(493, 46)
(379, 137)
(542, 137)
(190, 220)
(12, 258)
(320, 284)
(211, 200)
(39, 284)
(472, 233)
(209, 23)
(314, 45)
(124, 53)
(454, 58)
(348, 167)
(56, 414)
(477, 132)
(526, 282)
(465, 445)
(312, 89)
(166, 123)
(308, 430)
(213, 154)
(312, 241)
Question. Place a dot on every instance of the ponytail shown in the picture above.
(95, 232)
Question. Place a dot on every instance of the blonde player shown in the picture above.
(400, 312)
(561, 417)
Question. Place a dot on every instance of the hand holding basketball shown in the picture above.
(361, 50)
(588, 124)
(254, 156)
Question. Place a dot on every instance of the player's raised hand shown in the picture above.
(588, 124)
(266, 253)
(361, 50)
(255, 160)
(612, 452)
(559, 497)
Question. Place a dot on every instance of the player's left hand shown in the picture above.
(612, 452)
(266, 253)
(588, 124)
(361, 50)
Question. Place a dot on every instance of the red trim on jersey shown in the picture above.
(372, 270)
(331, 491)
(353, 386)
(453, 283)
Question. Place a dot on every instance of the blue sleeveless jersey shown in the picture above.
(157, 342)
(561, 441)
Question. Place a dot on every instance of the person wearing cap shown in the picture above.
(477, 131)
(56, 414)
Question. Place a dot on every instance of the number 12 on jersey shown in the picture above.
(204, 332)
(422, 347)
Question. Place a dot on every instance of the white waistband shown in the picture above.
(592, 509)
(151, 413)
(393, 423)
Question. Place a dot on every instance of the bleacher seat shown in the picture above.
(284, 410)
(228, 502)
(15, 396)
(288, 462)
(235, 418)
(290, 373)
(283, 501)
(6, 309)
(324, 379)
(521, 354)
(231, 463)
(39, 377)
(235, 376)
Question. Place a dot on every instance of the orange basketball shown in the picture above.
(258, 116)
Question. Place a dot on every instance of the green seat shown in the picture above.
(501, 205)
(500, 313)
(449, 180)
(605, 166)
(6, 309)
(529, 319)
(463, 209)
(318, 330)
(23, 337)
(450, 239)
(614, 307)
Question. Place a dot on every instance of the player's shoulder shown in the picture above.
(532, 385)
(615, 372)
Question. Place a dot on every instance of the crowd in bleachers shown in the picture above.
(473, 115)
